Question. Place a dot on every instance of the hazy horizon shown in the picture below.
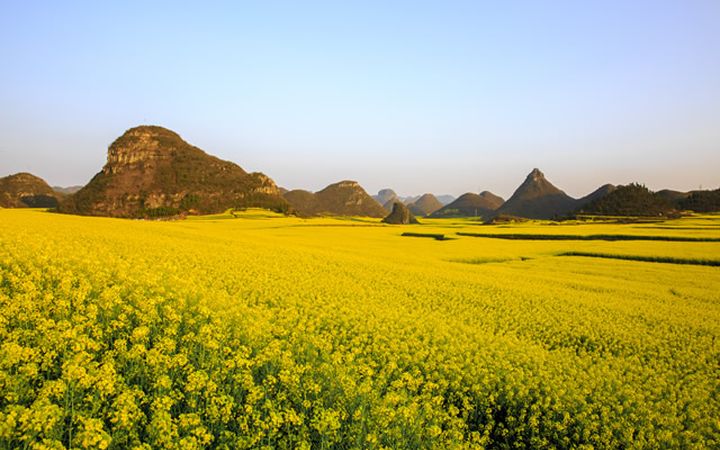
(446, 98)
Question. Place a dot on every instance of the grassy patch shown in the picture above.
(486, 260)
(655, 259)
(591, 237)
(436, 236)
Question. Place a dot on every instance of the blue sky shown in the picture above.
(444, 96)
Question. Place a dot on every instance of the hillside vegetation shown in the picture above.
(702, 201)
(631, 200)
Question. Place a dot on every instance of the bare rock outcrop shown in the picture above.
(400, 215)
(152, 171)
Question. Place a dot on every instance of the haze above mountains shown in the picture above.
(152, 172)
(437, 97)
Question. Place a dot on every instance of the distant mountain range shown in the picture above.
(420, 205)
(388, 195)
(471, 205)
(445, 199)
(68, 190)
(152, 172)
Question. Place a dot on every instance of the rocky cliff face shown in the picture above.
(400, 215)
(24, 190)
(152, 171)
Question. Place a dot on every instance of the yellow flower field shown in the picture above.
(262, 331)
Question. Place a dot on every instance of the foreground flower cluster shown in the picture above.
(274, 334)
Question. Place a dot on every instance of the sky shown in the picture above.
(419, 96)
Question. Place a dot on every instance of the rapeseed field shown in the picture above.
(261, 331)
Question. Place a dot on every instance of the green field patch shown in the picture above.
(670, 227)
(487, 260)
(591, 237)
(436, 236)
(655, 259)
(249, 213)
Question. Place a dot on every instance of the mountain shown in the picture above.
(597, 194)
(151, 171)
(445, 199)
(425, 205)
(24, 190)
(385, 195)
(495, 201)
(301, 201)
(630, 200)
(702, 201)
(400, 215)
(470, 205)
(537, 198)
(388, 205)
(409, 199)
(69, 190)
(346, 198)
(675, 198)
